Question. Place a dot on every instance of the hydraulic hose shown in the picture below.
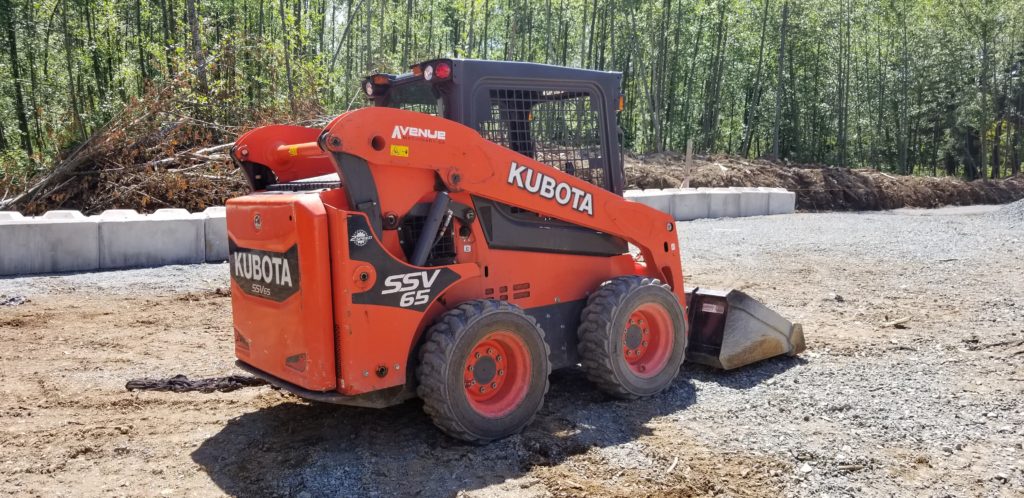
(428, 235)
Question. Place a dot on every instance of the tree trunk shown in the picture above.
(197, 46)
(287, 56)
(1015, 159)
(76, 115)
(779, 86)
(408, 34)
(9, 13)
(751, 115)
(687, 107)
(995, 171)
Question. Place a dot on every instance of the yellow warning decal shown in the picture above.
(293, 150)
(400, 150)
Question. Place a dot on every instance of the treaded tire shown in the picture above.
(603, 342)
(447, 352)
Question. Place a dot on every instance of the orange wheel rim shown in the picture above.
(497, 374)
(647, 340)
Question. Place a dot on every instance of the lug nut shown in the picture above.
(470, 368)
(490, 351)
(497, 358)
(483, 389)
(476, 355)
(501, 372)
(644, 343)
(494, 385)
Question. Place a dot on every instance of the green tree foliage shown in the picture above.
(912, 87)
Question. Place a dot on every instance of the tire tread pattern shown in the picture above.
(438, 351)
(595, 333)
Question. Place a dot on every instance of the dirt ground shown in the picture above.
(931, 406)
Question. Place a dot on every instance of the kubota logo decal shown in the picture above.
(415, 287)
(401, 132)
(272, 275)
(547, 187)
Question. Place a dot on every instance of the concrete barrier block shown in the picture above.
(48, 245)
(64, 214)
(216, 234)
(689, 204)
(723, 202)
(753, 202)
(112, 214)
(10, 216)
(781, 201)
(655, 198)
(130, 240)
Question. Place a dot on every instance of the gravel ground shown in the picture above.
(912, 384)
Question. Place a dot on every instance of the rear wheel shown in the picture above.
(632, 337)
(483, 371)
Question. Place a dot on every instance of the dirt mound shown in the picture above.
(154, 155)
(822, 188)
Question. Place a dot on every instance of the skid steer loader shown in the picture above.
(457, 240)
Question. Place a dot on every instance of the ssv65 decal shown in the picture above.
(266, 274)
(547, 187)
(398, 285)
(414, 287)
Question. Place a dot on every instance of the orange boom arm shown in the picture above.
(465, 161)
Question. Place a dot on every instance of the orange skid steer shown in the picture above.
(457, 240)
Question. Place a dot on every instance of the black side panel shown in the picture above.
(524, 231)
(258, 175)
(559, 322)
(362, 190)
(398, 284)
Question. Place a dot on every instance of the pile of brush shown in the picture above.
(153, 154)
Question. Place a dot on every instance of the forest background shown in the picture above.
(923, 87)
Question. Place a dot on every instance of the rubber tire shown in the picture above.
(600, 351)
(441, 359)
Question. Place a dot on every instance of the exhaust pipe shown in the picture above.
(729, 329)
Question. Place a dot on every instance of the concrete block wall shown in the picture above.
(68, 241)
(215, 233)
(55, 242)
(691, 204)
(166, 237)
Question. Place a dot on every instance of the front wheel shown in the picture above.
(483, 371)
(632, 337)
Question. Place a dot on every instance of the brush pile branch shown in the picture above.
(152, 155)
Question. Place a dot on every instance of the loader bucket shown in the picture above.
(729, 329)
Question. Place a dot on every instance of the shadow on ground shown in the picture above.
(335, 450)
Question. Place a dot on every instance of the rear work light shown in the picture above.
(369, 89)
(438, 71)
(443, 70)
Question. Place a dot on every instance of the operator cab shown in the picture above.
(564, 117)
